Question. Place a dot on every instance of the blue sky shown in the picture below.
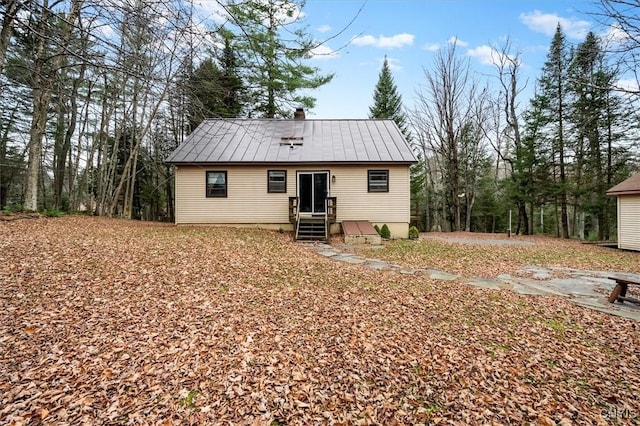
(409, 32)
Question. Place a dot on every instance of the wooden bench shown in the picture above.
(619, 292)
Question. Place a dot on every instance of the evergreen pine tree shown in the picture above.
(232, 89)
(387, 102)
(599, 118)
(553, 84)
(273, 66)
(215, 88)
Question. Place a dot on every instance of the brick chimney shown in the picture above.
(299, 114)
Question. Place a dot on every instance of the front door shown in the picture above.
(313, 189)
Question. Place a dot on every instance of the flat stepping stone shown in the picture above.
(328, 253)
(349, 259)
(435, 274)
(535, 270)
(376, 264)
(485, 283)
(528, 291)
(608, 308)
(541, 276)
(539, 287)
(572, 286)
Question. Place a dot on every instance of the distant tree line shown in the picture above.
(95, 94)
(484, 159)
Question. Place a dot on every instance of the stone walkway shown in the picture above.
(584, 288)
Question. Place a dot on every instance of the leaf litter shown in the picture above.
(106, 321)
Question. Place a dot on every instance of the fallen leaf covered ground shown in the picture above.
(445, 251)
(106, 321)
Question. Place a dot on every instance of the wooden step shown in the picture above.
(311, 229)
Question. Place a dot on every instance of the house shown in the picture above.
(628, 194)
(305, 175)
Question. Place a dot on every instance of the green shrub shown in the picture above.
(385, 232)
(53, 212)
(13, 208)
(377, 228)
(414, 234)
(592, 237)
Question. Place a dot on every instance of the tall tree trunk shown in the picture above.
(522, 217)
(41, 98)
(471, 199)
(12, 7)
(564, 216)
(81, 179)
(62, 151)
(42, 90)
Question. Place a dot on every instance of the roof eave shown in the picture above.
(630, 192)
(285, 163)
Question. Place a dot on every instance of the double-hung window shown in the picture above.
(378, 180)
(216, 184)
(277, 181)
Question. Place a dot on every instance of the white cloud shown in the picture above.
(615, 37)
(455, 40)
(617, 34)
(396, 41)
(629, 84)
(485, 54)
(215, 11)
(488, 55)
(324, 28)
(393, 64)
(212, 10)
(431, 47)
(106, 30)
(546, 23)
(323, 52)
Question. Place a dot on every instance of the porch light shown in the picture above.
(333, 178)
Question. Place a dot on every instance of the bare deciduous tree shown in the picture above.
(447, 105)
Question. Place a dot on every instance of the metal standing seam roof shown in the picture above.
(238, 141)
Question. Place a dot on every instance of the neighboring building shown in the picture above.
(287, 174)
(628, 194)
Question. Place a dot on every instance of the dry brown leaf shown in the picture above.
(110, 321)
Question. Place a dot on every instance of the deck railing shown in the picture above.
(293, 209)
(330, 209)
(330, 214)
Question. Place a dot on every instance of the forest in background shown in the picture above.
(96, 94)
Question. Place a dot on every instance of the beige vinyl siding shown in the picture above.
(356, 203)
(248, 201)
(247, 198)
(629, 222)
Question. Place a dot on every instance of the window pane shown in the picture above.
(277, 181)
(216, 178)
(319, 192)
(216, 184)
(378, 180)
(305, 185)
